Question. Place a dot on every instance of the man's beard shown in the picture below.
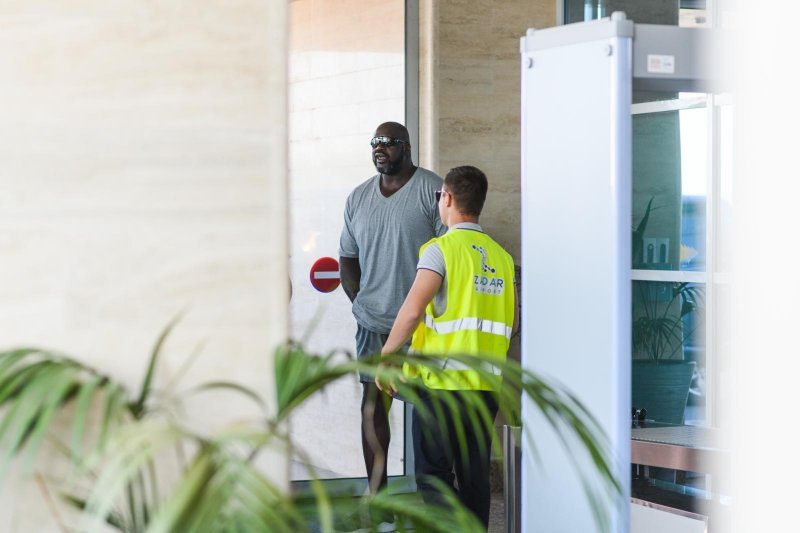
(391, 167)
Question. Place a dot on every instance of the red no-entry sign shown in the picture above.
(325, 274)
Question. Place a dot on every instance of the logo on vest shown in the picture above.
(485, 282)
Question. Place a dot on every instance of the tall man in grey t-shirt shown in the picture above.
(386, 220)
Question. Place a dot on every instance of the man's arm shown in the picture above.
(350, 275)
(425, 287)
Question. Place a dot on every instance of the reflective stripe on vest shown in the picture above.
(445, 363)
(468, 323)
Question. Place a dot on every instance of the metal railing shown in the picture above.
(512, 477)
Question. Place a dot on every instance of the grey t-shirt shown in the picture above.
(385, 234)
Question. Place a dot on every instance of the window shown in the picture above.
(681, 230)
(686, 13)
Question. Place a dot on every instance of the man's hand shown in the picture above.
(388, 387)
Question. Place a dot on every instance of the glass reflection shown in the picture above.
(336, 61)
(669, 188)
(686, 13)
(670, 177)
(669, 351)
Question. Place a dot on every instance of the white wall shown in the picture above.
(766, 287)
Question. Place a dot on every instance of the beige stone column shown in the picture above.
(143, 175)
(470, 96)
(470, 99)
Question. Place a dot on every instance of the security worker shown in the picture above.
(462, 302)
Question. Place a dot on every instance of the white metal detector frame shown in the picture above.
(577, 83)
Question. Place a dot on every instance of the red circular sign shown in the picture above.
(325, 274)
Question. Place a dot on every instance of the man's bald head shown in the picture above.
(393, 129)
(392, 158)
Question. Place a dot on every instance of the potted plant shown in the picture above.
(120, 443)
(664, 315)
(660, 331)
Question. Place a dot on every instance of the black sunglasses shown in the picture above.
(386, 141)
(439, 194)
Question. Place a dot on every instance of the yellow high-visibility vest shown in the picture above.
(480, 311)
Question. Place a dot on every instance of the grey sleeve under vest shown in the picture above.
(433, 259)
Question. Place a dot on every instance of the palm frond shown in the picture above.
(138, 407)
(571, 421)
(638, 234)
(229, 386)
(569, 418)
(34, 385)
(82, 406)
(298, 375)
(219, 486)
(130, 452)
(113, 518)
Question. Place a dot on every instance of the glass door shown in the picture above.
(347, 75)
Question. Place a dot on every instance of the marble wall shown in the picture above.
(469, 108)
(143, 175)
(470, 97)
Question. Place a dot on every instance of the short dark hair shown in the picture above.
(468, 185)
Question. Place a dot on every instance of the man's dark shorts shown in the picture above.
(368, 343)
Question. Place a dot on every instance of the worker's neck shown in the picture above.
(458, 218)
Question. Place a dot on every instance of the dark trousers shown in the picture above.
(439, 454)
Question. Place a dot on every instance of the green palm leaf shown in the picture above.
(138, 407)
(129, 453)
(298, 375)
(572, 422)
(220, 486)
(34, 385)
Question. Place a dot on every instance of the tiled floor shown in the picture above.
(497, 517)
